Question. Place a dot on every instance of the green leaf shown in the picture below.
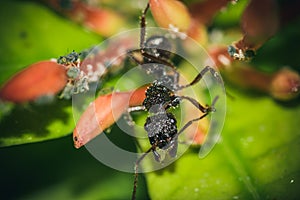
(56, 170)
(31, 32)
(257, 157)
(288, 37)
(231, 15)
(34, 123)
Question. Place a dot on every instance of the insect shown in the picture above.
(69, 59)
(239, 54)
(161, 95)
(77, 79)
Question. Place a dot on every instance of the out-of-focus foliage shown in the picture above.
(30, 33)
(257, 157)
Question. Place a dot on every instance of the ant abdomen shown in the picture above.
(161, 128)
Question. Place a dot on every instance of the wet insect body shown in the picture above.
(161, 124)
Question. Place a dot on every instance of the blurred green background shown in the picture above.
(257, 158)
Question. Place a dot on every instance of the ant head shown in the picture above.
(72, 57)
(159, 46)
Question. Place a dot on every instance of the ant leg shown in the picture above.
(138, 161)
(203, 109)
(162, 61)
(127, 115)
(206, 112)
(149, 56)
(142, 37)
(159, 60)
(136, 108)
(200, 75)
(173, 148)
(156, 155)
(133, 58)
(143, 28)
(189, 123)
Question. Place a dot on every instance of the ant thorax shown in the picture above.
(158, 96)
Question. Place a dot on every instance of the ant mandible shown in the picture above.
(161, 124)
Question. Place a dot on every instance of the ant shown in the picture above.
(239, 54)
(77, 79)
(161, 124)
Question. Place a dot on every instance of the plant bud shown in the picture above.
(104, 112)
(170, 13)
(259, 22)
(38, 80)
(285, 85)
(103, 22)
